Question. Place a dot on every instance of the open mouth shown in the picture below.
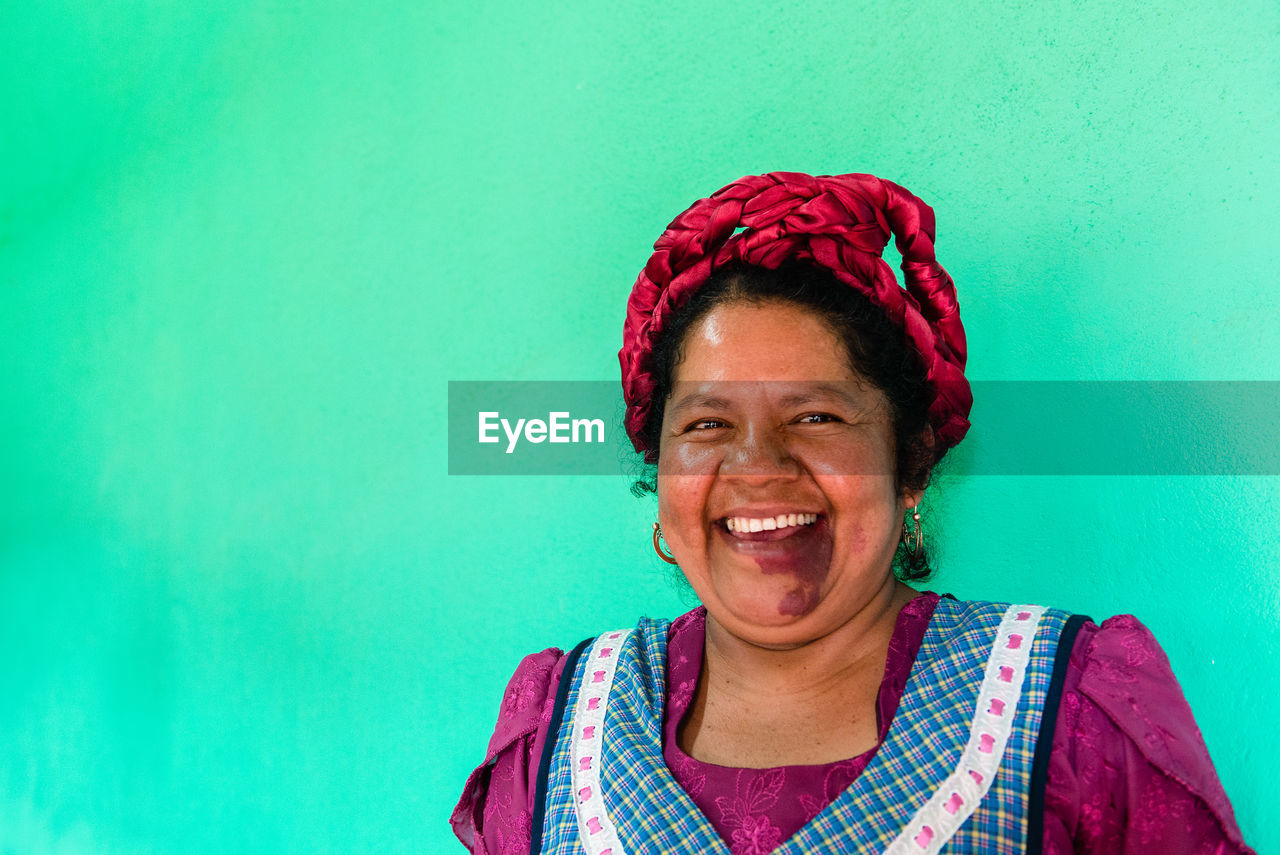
(768, 528)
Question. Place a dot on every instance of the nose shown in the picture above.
(759, 455)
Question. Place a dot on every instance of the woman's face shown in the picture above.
(776, 475)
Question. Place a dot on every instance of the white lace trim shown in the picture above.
(595, 830)
(958, 796)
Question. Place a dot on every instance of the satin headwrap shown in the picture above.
(839, 222)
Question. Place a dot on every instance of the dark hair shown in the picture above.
(877, 348)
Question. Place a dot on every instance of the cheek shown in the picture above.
(686, 472)
(689, 458)
(866, 515)
(868, 459)
(682, 504)
(869, 502)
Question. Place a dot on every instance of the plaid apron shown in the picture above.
(954, 774)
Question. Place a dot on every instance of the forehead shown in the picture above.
(762, 341)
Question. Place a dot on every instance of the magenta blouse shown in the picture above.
(1129, 772)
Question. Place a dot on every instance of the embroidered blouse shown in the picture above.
(1129, 771)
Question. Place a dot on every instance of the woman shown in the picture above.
(794, 399)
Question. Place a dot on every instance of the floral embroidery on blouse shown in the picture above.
(745, 813)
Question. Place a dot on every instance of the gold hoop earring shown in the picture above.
(913, 540)
(657, 545)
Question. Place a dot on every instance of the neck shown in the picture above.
(809, 703)
(852, 653)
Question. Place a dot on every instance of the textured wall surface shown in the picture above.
(244, 246)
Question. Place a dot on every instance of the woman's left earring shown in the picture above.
(913, 540)
(657, 545)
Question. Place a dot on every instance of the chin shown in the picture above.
(766, 601)
(775, 618)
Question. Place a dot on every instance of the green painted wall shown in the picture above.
(243, 247)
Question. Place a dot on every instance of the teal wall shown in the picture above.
(243, 247)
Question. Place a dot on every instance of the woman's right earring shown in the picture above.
(913, 540)
(657, 545)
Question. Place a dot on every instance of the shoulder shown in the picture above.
(980, 619)
(527, 700)
(1123, 672)
(494, 811)
(970, 609)
(1128, 762)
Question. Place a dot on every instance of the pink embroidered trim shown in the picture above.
(596, 831)
(957, 797)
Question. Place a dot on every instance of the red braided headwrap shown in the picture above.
(840, 222)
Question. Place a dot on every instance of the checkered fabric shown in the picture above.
(654, 816)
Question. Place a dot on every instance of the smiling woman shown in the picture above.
(793, 400)
(750, 435)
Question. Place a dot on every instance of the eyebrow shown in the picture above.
(701, 401)
(820, 391)
(810, 393)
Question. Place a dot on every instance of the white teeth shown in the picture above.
(769, 523)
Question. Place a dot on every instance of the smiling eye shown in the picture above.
(817, 418)
(705, 424)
